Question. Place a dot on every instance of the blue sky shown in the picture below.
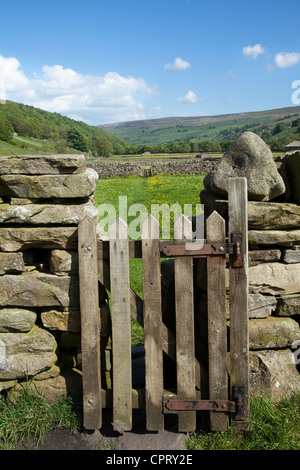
(111, 61)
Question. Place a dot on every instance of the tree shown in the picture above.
(103, 147)
(76, 140)
(6, 129)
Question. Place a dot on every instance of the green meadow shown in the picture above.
(179, 190)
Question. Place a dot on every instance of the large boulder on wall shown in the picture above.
(248, 157)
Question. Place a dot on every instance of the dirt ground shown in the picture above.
(107, 439)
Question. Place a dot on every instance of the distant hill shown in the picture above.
(29, 128)
(277, 127)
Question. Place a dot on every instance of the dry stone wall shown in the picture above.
(150, 168)
(42, 200)
(274, 258)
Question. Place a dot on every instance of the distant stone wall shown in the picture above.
(109, 169)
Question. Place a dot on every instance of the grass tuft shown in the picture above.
(31, 417)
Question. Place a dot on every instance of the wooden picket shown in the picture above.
(110, 267)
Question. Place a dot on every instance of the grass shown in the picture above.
(31, 417)
(160, 189)
(273, 426)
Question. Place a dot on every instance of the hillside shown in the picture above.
(25, 129)
(277, 127)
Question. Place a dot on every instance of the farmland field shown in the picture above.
(160, 189)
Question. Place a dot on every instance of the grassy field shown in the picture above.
(160, 189)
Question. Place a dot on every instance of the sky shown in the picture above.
(110, 61)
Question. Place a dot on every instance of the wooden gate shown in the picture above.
(107, 263)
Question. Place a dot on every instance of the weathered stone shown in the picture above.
(69, 383)
(273, 374)
(261, 306)
(248, 157)
(274, 278)
(286, 196)
(61, 319)
(274, 237)
(292, 163)
(261, 215)
(42, 164)
(11, 263)
(49, 186)
(16, 320)
(45, 214)
(62, 262)
(292, 256)
(15, 239)
(272, 333)
(7, 384)
(263, 256)
(38, 290)
(26, 354)
(288, 307)
(273, 215)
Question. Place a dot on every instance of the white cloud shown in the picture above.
(93, 99)
(230, 75)
(190, 97)
(253, 51)
(178, 64)
(287, 59)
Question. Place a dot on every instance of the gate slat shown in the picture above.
(152, 324)
(238, 279)
(121, 326)
(185, 343)
(217, 328)
(90, 324)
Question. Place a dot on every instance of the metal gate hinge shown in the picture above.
(236, 406)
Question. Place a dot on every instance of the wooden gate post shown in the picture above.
(239, 318)
(121, 326)
(152, 324)
(90, 324)
(184, 314)
(216, 317)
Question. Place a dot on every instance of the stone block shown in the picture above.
(39, 290)
(292, 163)
(292, 256)
(63, 262)
(261, 215)
(274, 237)
(16, 239)
(274, 278)
(289, 306)
(263, 256)
(18, 320)
(26, 354)
(273, 374)
(261, 306)
(45, 214)
(272, 333)
(49, 186)
(42, 164)
(66, 319)
(11, 263)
